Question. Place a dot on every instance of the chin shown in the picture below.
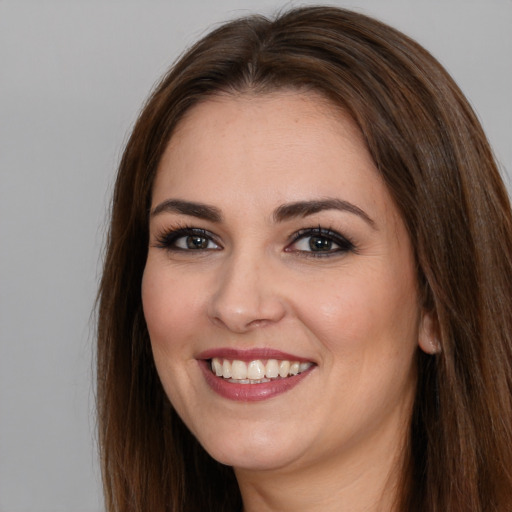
(252, 460)
(254, 449)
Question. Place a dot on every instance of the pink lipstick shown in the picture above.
(254, 374)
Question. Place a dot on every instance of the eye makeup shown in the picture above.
(186, 238)
(318, 242)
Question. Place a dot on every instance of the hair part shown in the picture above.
(434, 157)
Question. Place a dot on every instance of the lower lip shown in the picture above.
(250, 392)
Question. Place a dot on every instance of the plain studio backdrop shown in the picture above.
(73, 75)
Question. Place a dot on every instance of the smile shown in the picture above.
(253, 374)
(257, 371)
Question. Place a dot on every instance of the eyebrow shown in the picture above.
(305, 208)
(199, 210)
(281, 213)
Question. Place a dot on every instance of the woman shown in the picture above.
(305, 303)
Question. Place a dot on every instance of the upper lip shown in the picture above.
(250, 354)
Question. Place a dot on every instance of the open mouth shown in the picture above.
(258, 371)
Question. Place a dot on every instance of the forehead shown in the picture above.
(300, 104)
(287, 134)
(274, 109)
(264, 150)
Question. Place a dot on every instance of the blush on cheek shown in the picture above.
(171, 316)
(346, 317)
(157, 308)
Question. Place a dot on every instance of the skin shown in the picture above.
(334, 441)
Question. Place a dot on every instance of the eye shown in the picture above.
(320, 242)
(187, 239)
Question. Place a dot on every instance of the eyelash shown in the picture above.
(344, 244)
(167, 240)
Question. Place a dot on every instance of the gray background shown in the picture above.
(72, 78)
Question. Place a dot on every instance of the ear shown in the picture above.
(428, 334)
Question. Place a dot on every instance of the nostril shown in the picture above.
(241, 313)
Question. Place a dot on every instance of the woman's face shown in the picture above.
(275, 248)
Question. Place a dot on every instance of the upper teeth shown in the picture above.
(256, 370)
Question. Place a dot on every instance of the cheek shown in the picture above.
(375, 312)
(170, 309)
(171, 319)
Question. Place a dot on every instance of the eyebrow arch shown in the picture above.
(305, 208)
(199, 210)
(281, 213)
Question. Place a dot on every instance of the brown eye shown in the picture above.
(187, 239)
(320, 242)
(195, 242)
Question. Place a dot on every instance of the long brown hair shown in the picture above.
(431, 150)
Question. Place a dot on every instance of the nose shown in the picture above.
(246, 295)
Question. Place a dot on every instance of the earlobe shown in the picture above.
(428, 335)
